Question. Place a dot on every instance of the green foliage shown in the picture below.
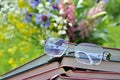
(113, 8)
(15, 51)
(113, 33)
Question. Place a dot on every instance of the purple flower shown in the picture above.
(28, 16)
(102, 0)
(47, 24)
(55, 6)
(43, 20)
(56, 1)
(34, 3)
(50, 1)
(38, 18)
(105, 1)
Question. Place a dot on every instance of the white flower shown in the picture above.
(8, 35)
(61, 32)
(66, 1)
(10, 28)
(40, 6)
(65, 21)
(55, 24)
(64, 27)
(48, 6)
(42, 42)
(59, 27)
(61, 11)
(79, 4)
(42, 10)
(70, 24)
(6, 6)
(58, 19)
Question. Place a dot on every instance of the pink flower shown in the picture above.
(68, 9)
(84, 27)
(96, 9)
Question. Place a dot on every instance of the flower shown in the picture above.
(55, 6)
(68, 9)
(12, 50)
(43, 20)
(98, 8)
(106, 1)
(34, 3)
(29, 16)
(59, 17)
(12, 62)
(86, 26)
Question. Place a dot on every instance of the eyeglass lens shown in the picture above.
(88, 53)
(55, 47)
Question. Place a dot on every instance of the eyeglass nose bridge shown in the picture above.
(54, 46)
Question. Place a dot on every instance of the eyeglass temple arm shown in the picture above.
(106, 55)
(91, 61)
(88, 55)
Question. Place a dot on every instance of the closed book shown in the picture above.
(104, 66)
(30, 67)
(65, 77)
(93, 74)
(46, 75)
(115, 53)
(33, 63)
(35, 71)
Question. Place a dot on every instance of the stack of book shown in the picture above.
(66, 68)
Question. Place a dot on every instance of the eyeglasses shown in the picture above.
(85, 53)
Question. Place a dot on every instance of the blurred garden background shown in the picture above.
(24, 25)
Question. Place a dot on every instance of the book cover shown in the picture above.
(93, 74)
(65, 77)
(42, 60)
(46, 75)
(38, 70)
(104, 66)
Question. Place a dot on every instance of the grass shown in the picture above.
(15, 52)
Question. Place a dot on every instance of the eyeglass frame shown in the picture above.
(105, 55)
